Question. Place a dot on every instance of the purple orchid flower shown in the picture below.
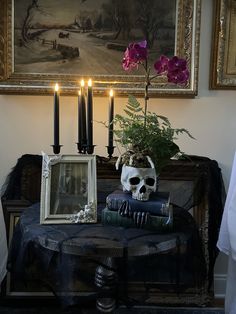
(177, 71)
(161, 65)
(134, 55)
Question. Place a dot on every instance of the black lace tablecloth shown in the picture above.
(64, 256)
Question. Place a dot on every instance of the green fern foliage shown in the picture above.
(151, 134)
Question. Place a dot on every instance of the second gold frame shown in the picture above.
(223, 57)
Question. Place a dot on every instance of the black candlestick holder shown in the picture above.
(56, 149)
(81, 148)
(110, 150)
(85, 149)
(90, 149)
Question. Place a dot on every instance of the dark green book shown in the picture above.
(155, 223)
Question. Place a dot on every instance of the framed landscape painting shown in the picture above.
(48, 41)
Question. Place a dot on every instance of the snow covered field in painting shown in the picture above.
(94, 58)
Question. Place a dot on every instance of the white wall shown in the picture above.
(26, 122)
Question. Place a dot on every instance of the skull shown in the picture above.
(140, 181)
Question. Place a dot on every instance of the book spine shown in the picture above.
(155, 223)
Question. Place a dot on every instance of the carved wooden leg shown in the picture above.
(106, 280)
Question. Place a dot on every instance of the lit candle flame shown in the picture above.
(82, 83)
(56, 87)
(111, 93)
(89, 82)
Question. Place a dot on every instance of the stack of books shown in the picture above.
(160, 212)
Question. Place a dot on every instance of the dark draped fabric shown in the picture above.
(195, 183)
(61, 255)
(24, 180)
(208, 189)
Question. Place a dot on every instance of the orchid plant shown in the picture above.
(175, 68)
(142, 132)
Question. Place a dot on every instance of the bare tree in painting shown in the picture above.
(98, 23)
(120, 14)
(150, 16)
(84, 19)
(27, 20)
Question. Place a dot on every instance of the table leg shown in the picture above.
(106, 280)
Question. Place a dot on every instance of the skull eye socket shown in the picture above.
(134, 180)
(150, 181)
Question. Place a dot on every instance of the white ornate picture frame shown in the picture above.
(68, 189)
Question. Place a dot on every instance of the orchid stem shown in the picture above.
(145, 105)
(147, 70)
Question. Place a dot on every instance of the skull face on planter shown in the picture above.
(140, 181)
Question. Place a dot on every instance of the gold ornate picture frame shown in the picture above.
(68, 189)
(46, 41)
(223, 56)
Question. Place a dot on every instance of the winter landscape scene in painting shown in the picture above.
(88, 36)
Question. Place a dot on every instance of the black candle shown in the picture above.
(83, 139)
(90, 115)
(56, 116)
(110, 119)
(79, 119)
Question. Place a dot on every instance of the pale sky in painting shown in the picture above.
(59, 11)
